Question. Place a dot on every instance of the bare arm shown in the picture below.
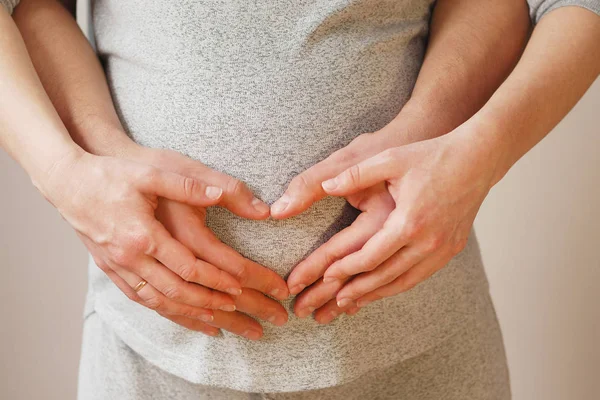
(439, 184)
(473, 46)
(76, 84)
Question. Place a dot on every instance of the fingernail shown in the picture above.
(280, 205)
(251, 334)
(343, 303)
(274, 292)
(213, 192)
(234, 291)
(272, 318)
(227, 307)
(363, 303)
(297, 289)
(329, 279)
(206, 317)
(330, 184)
(260, 206)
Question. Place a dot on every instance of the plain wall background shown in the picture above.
(539, 232)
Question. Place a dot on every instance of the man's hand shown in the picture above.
(437, 187)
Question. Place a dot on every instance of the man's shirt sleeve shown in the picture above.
(539, 8)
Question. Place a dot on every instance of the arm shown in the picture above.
(425, 231)
(91, 192)
(472, 47)
(75, 82)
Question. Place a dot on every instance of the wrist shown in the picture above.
(486, 141)
(49, 177)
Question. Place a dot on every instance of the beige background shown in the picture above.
(539, 231)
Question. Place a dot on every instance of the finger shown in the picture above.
(353, 310)
(179, 188)
(386, 272)
(316, 296)
(392, 237)
(112, 275)
(238, 323)
(330, 311)
(305, 189)
(192, 324)
(182, 261)
(257, 304)
(408, 280)
(237, 197)
(153, 299)
(178, 290)
(347, 241)
(381, 167)
(248, 273)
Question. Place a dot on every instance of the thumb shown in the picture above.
(180, 188)
(379, 168)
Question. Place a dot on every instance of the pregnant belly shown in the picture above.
(264, 122)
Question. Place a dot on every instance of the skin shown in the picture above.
(450, 88)
(121, 206)
(76, 84)
(437, 185)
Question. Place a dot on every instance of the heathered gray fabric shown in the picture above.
(262, 90)
(9, 5)
(469, 365)
(539, 8)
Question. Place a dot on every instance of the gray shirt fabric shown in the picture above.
(262, 90)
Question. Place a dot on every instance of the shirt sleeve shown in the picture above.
(10, 5)
(539, 8)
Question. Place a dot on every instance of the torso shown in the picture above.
(262, 90)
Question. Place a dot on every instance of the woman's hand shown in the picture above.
(111, 203)
(187, 224)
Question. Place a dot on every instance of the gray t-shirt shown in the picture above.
(262, 90)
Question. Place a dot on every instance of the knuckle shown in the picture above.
(122, 256)
(187, 272)
(435, 243)
(410, 281)
(187, 312)
(221, 281)
(459, 245)
(235, 187)
(148, 175)
(241, 274)
(190, 186)
(173, 292)
(154, 303)
(412, 228)
(353, 174)
(389, 155)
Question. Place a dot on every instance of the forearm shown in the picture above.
(30, 129)
(560, 63)
(473, 46)
(72, 76)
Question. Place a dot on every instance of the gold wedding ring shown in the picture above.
(140, 285)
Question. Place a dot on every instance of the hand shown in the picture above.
(111, 203)
(187, 224)
(438, 186)
(376, 210)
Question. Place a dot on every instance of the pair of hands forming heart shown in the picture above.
(418, 203)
